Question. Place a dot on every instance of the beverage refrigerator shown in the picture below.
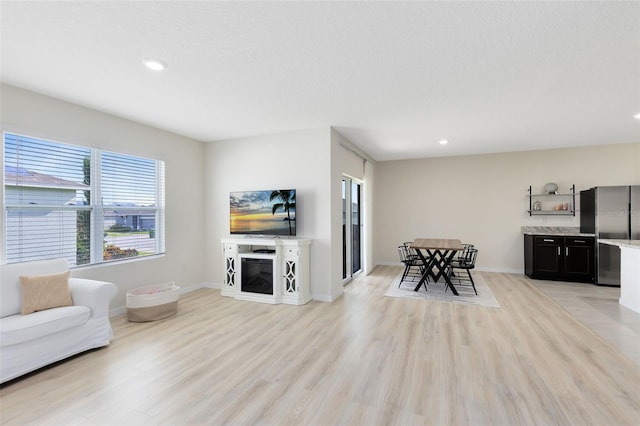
(613, 213)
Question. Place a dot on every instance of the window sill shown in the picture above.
(117, 262)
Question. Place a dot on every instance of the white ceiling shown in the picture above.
(393, 77)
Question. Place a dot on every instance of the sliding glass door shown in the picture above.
(351, 227)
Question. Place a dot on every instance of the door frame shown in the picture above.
(347, 183)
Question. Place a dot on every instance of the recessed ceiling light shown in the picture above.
(637, 116)
(443, 142)
(154, 64)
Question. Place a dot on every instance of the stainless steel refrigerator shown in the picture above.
(610, 212)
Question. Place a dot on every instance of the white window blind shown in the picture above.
(130, 201)
(79, 203)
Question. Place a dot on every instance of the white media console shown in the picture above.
(267, 270)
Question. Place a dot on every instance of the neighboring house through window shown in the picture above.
(83, 204)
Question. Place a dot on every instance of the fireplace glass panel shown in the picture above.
(257, 275)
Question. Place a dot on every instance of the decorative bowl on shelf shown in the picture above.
(551, 188)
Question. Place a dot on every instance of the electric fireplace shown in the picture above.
(267, 270)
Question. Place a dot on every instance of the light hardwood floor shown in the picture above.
(597, 307)
(365, 359)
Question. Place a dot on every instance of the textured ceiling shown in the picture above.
(393, 77)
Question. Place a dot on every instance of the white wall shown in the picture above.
(298, 160)
(481, 199)
(41, 116)
(312, 162)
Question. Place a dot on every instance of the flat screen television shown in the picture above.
(268, 212)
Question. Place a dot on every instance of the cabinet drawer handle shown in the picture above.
(566, 251)
(578, 241)
(548, 241)
(558, 250)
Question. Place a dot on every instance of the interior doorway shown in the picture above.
(351, 228)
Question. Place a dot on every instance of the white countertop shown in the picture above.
(564, 231)
(634, 244)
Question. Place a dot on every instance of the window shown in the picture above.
(83, 204)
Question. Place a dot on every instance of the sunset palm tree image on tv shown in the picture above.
(271, 212)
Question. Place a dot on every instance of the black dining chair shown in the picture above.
(412, 251)
(462, 255)
(466, 261)
(409, 262)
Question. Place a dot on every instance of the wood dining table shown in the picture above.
(440, 252)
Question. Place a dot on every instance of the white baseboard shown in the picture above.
(314, 296)
(217, 286)
(121, 310)
(501, 270)
(116, 312)
(325, 297)
(478, 268)
(388, 264)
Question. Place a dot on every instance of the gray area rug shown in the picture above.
(436, 292)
